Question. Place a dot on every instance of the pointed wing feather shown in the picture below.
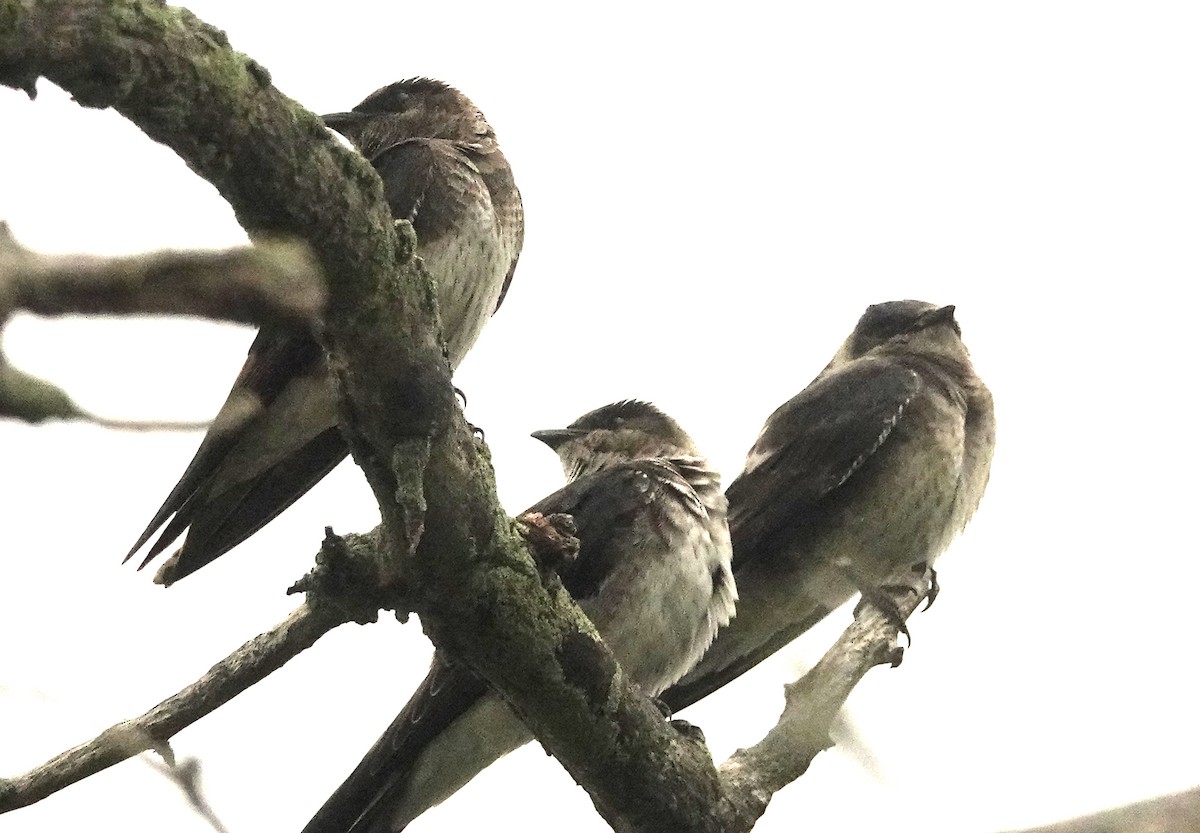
(230, 517)
(275, 359)
(811, 446)
(446, 694)
(809, 449)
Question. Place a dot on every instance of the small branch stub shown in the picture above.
(551, 539)
(347, 579)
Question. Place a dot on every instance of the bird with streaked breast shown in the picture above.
(875, 466)
(652, 574)
(277, 434)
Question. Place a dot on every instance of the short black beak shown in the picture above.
(941, 315)
(555, 437)
(339, 120)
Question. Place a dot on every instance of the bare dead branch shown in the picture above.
(272, 281)
(30, 399)
(144, 424)
(243, 668)
(1178, 812)
(344, 587)
(752, 776)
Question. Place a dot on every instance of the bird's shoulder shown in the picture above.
(616, 507)
(619, 491)
(432, 183)
(816, 441)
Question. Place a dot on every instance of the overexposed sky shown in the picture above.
(713, 195)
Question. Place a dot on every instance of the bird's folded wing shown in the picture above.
(272, 439)
(611, 506)
(366, 799)
(809, 449)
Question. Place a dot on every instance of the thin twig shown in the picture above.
(274, 280)
(752, 776)
(144, 424)
(231, 676)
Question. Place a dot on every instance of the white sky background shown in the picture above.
(713, 196)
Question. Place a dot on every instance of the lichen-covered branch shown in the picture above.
(470, 575)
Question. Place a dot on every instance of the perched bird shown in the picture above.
(878, 464)
(277, 433)
(652, 574)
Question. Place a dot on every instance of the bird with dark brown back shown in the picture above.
(277, 433)
(652, 574)
(874, 467)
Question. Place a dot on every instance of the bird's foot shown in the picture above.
(884, 596)
(881, 599)
(934, 587)
(476, 431)
(689, 730)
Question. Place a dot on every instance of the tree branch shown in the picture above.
(30, 399)
(752, 776)
(447, 550)
(339, 589)
(470, 575)
(152, 731)
(1178, 812)
(272, 282)
(343, 588)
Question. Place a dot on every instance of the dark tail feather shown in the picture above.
(220, 522)
(208, 458)
(446, 694)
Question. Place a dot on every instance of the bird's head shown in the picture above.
(913, 326)
(616, 433)
(413, 108)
